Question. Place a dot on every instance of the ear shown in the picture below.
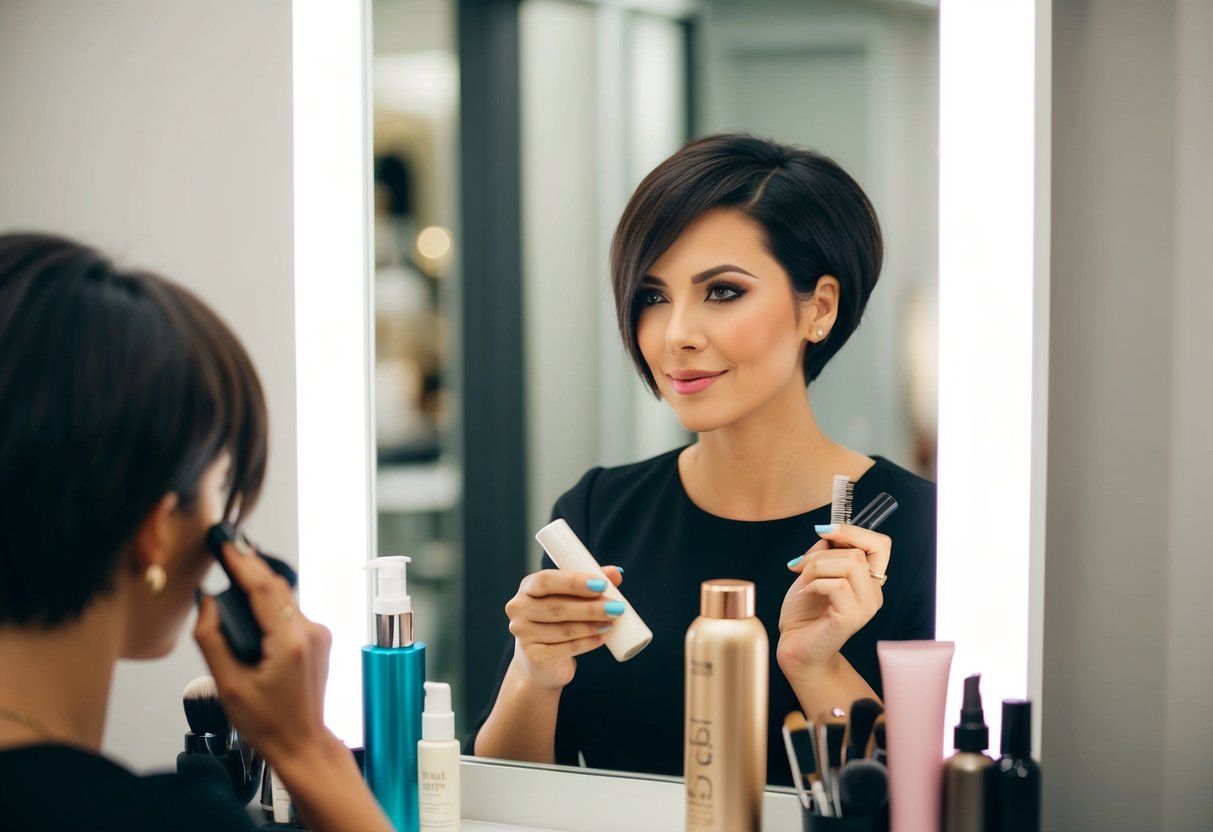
(820, 311)
(155, 535)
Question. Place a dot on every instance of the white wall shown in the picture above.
(162, 132)
(859, 82)
(560, 243)
(1187, 799)
(1128, 671)
(602, 93)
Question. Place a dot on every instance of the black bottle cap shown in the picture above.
(972, 734)
(1016, 728)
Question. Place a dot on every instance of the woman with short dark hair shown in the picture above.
(740, 267)
(131, 421)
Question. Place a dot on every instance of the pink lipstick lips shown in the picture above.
(688, 382)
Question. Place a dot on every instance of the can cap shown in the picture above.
(726, 598)
(1016, 728)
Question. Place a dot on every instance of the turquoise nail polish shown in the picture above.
(596, 584)
(828, 528)
(620, 568)
(614, 608)
(796, 560)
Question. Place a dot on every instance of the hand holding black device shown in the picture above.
(236, 619)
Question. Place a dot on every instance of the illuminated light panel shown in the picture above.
(332, 339)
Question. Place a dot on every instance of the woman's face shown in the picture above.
(719, 326)
(156, 620)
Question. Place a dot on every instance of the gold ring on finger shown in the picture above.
(882, 578)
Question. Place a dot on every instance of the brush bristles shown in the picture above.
(843, 499)
(203, 710)
(863, 717)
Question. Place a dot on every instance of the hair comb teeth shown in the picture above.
(843, 498)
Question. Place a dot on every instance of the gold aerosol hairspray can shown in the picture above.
(726, 711)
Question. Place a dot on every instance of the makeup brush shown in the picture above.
(213, 744)
(206, 743)
(843, 500)
(863, 784)
(863, 788)
(831, 729)
(859, 728)
(877, 749)
(802, 756)
(207, 720)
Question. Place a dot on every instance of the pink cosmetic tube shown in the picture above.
(915, 676)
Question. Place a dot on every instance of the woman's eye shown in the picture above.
(722, 292)
(649, 297)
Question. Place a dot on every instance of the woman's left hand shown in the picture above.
(833, 596)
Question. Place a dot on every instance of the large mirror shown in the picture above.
(507, 138)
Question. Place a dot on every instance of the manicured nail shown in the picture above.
(620, 568)
(795, 560)
(615, 608)
(604, 628)
(828, 528)
(596, 584)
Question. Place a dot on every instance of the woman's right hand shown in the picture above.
(557, 616)
(278, 704)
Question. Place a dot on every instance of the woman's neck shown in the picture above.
(59, 680)
(775, 463)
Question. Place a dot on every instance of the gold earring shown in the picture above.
(155, 577)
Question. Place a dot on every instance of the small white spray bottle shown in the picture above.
(438, 762)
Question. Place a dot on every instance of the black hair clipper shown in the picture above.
(236, 619)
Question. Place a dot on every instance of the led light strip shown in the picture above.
(332, 338)
(993, 343)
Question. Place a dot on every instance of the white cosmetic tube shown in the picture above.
(282, 799)
(915, 675)
(628, 635)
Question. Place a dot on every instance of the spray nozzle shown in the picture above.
(971, 732)
(390, 592)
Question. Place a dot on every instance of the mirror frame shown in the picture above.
(994, 286)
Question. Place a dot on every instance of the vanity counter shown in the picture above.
(526, 798)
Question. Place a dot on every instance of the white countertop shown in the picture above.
(526, 798)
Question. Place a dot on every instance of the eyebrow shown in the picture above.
(706, 274)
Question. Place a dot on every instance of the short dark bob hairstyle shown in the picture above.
(817, 221)
(116, 388)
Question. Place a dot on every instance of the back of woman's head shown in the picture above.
(116, 388)
(816, 219)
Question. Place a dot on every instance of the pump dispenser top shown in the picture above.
(971, 733)
(438, 720)
(391, 603)
(967, 802)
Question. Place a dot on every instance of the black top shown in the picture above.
(629, 716)
(57, 787)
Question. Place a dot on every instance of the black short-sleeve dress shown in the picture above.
(629, 716)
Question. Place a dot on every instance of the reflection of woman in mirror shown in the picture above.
(131, 420)
(740, 267)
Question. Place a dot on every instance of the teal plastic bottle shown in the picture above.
(393, 696)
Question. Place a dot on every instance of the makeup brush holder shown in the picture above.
(868, 823)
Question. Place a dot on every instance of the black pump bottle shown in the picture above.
(1017, 775)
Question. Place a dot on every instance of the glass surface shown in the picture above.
(607, 91)
(415, 108)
